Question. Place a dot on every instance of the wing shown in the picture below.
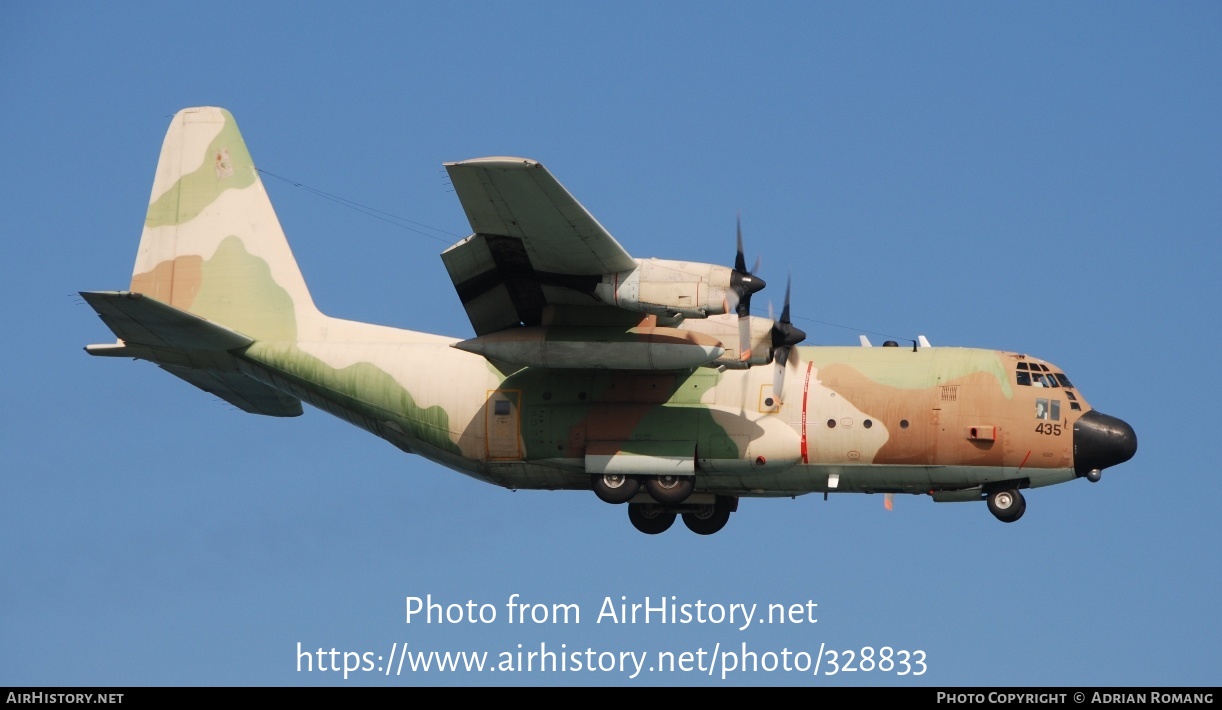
(545, 284)
(534, 245)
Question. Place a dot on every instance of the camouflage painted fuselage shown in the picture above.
(868, 419)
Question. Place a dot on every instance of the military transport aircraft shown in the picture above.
(646, 381)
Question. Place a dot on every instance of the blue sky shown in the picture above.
(1039, 177)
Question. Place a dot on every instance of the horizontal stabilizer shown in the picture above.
(240, 391)
(186, 346)
(138, 320)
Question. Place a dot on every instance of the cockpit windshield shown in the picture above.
(1034, 374)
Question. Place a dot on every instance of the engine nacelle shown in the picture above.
(665, 287)
(725, 329)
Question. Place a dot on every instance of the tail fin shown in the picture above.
(212, 245)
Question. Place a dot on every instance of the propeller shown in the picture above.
(785, 335)
(743, 283)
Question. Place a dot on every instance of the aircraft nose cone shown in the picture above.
(1100, 441)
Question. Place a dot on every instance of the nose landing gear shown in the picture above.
(1007, 504)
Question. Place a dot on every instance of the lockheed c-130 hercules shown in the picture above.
(646, 381)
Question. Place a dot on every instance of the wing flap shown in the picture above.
(494, 296)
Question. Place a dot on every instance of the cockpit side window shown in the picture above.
(1048, 410)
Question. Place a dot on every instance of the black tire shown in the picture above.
(708, 519)
(614, 488)
(650, 519)
(670, 489)
(1007, 505)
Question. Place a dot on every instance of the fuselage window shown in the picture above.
(1023, 377)
(1041, 408)
(500, 407)
(1055, 409)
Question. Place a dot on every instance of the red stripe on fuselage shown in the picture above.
(805, 392)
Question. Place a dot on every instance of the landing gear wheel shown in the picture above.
(670, 489)
(1007, 505)
(708, 519)
(649, 518)
(615, 487)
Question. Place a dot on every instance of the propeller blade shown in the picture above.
(744, 338)
(785, 308)
(888, 501)
(785, 335)
(743, 283)
(740, 264)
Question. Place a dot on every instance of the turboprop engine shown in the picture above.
(664, 287)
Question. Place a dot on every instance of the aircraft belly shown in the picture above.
(866, 478)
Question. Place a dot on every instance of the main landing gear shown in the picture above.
(701, 518)
(615, 488)
(1007, 504)
(670, 490)
(669, 497)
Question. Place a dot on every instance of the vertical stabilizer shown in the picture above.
(212, 244)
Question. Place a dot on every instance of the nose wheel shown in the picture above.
(1007, 505)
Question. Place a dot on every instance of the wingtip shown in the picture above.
(496, 161)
